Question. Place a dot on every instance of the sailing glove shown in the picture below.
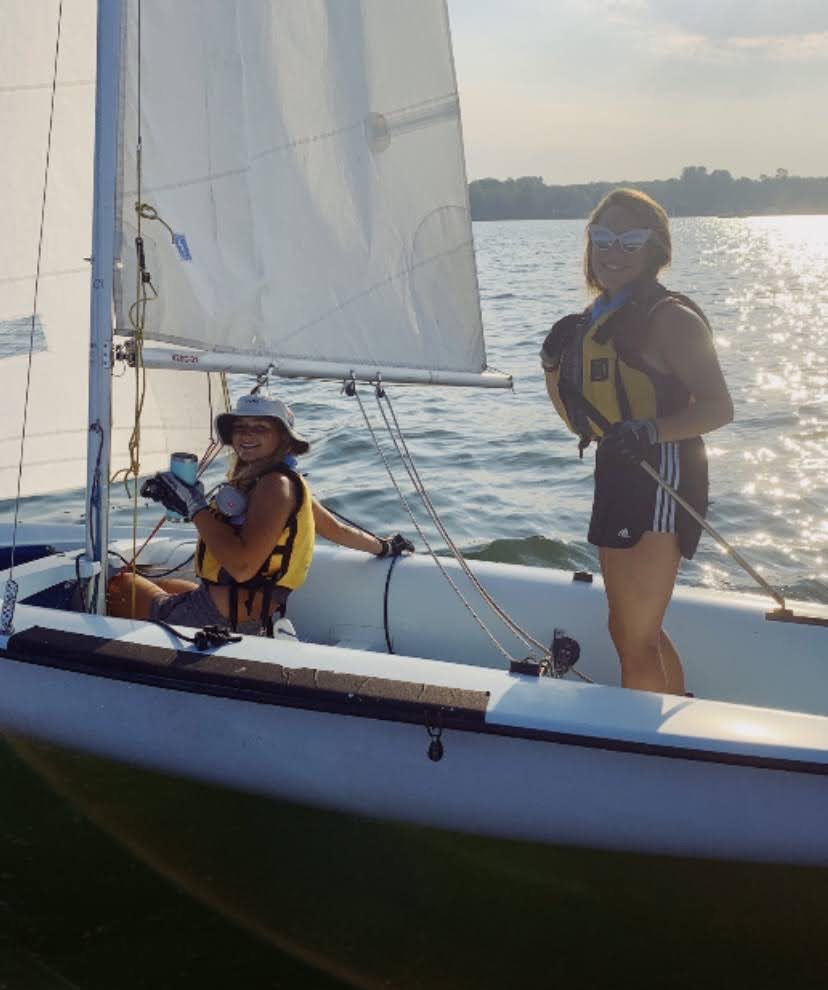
(559, 338)
(549, 355)
(174, 494)
(395, 546)
(632, 440)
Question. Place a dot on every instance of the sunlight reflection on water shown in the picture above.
(764, 283)
(500, 467)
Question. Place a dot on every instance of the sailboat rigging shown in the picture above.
(306, 161)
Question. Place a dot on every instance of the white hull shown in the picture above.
(542, 760)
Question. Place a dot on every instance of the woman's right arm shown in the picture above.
(268, 510)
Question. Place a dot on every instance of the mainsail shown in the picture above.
(305, 160)
(305, 157)
(54, 453)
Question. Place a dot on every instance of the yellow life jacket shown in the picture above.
(601, 359)
(287, 564)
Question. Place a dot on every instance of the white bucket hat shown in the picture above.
(262, 406)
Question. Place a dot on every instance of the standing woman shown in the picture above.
(256, 537)
(644, 358)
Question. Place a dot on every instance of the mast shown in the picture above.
(107, 103)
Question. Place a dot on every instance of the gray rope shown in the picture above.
(416, 480)
(501, 649)
(410, 466)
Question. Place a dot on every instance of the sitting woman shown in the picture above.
(255, 538)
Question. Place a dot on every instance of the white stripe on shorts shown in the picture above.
(664, 517)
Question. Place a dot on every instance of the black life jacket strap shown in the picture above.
(278, 612)
(234, 606)
(270, 591)
(251, 594)
(589, 409)
(621, 392)
(267, 621)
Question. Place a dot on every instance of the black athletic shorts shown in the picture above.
(628, 502)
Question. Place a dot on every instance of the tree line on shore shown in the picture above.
(696, 192)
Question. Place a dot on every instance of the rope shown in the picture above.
(407, 460)
(389, 642)
(145, 293)
(206, 638)
(11, 585)
(153, 571)
(137, 317)
(386, 593)
(215, 445)
(210, 454)
(94, 503)
(352, 389)
(416, 480)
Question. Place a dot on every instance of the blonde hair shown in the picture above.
(244, 476)
(648, 213)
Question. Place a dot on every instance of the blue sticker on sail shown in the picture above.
(180, 242)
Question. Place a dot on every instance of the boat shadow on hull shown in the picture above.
(384, 905)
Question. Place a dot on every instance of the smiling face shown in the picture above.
(615, 268)
(256, 437)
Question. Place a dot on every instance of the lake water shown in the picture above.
(505, 475)
(504, 472)
(509, 485)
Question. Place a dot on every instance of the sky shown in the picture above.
(582, 90)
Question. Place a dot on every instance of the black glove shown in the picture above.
(632, 440)
(395, 546)
(549, 355)
(174, 494)
(557, 340)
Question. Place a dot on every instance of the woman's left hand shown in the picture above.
(175, 494)
(395, 546)
(632, 440)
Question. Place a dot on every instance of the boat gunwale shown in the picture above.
(456, 708)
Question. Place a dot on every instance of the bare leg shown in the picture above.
(176, 586)
(119, 594)
(671, 662)
(639, 583)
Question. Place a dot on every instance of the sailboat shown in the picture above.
(278, 189)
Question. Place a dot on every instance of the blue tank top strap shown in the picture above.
(603, 306)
